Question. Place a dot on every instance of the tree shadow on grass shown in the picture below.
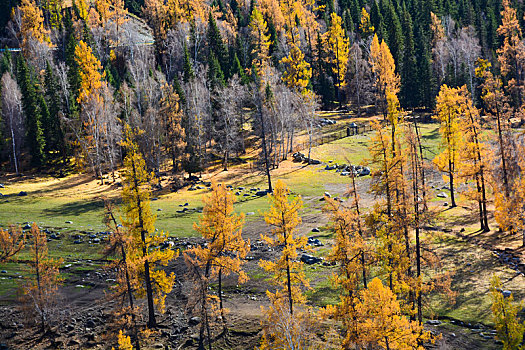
(75, 208)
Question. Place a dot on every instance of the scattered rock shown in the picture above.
(261, 193)
(22, 194)
(90, 324)
(27, 227)
(314, 242)
(506, 293)
(310, 259)
(433, 322)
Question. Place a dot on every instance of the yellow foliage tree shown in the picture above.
(365, 26)
(283, 216)
(12, 241)
(261, 41)
(222, 228)
(509, 55)
(510, 329)
(145, 249)
(32, 23)
(89, 69)
(349, 252)
(497, 106)
(172, 115)
(40, 291)
(387, 81)
(336, 47)
(381, 323)
(472, 154)
(298, 71)
(54, 8)
(449, 112)
(124, 342)
(83, 9)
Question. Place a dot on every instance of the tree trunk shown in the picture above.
(152, 323)
(289, 285)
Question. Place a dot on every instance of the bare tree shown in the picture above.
(13, 116)
(359, 77)
(227, 129)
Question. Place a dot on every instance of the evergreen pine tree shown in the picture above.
(409, 84)
(215, 74)
(52, 129)
(30, 104)
(179, 91)
(377, 20)
(216, 44)
(189, 74)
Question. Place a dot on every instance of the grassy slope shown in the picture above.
(51, 202)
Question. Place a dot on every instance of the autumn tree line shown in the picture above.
(215, 78)
(384, 269)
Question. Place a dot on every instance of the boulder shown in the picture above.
(315, 229)
(310, 259)
(442, 195)
(22, 194)
(433, 322)
(326, 194)
(26, 227)
(261, 193)
(506, 293)
(363, 171)
(330, 167)
(2, 186)
(69, 222)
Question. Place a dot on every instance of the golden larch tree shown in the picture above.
(349, 253)
(365, 26)
(387, 81)
(155, 283)
(40, 292)
(509, 55)
(473, 160)
(449, 112)
(505, 314)
(90, 72)
(381, 323)
(283, 216)
(172, 115)
(223, 254)
(297, 73)
(497, 107)
(261, 41)
(337, 46)
(12, 240)
(32, 23)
